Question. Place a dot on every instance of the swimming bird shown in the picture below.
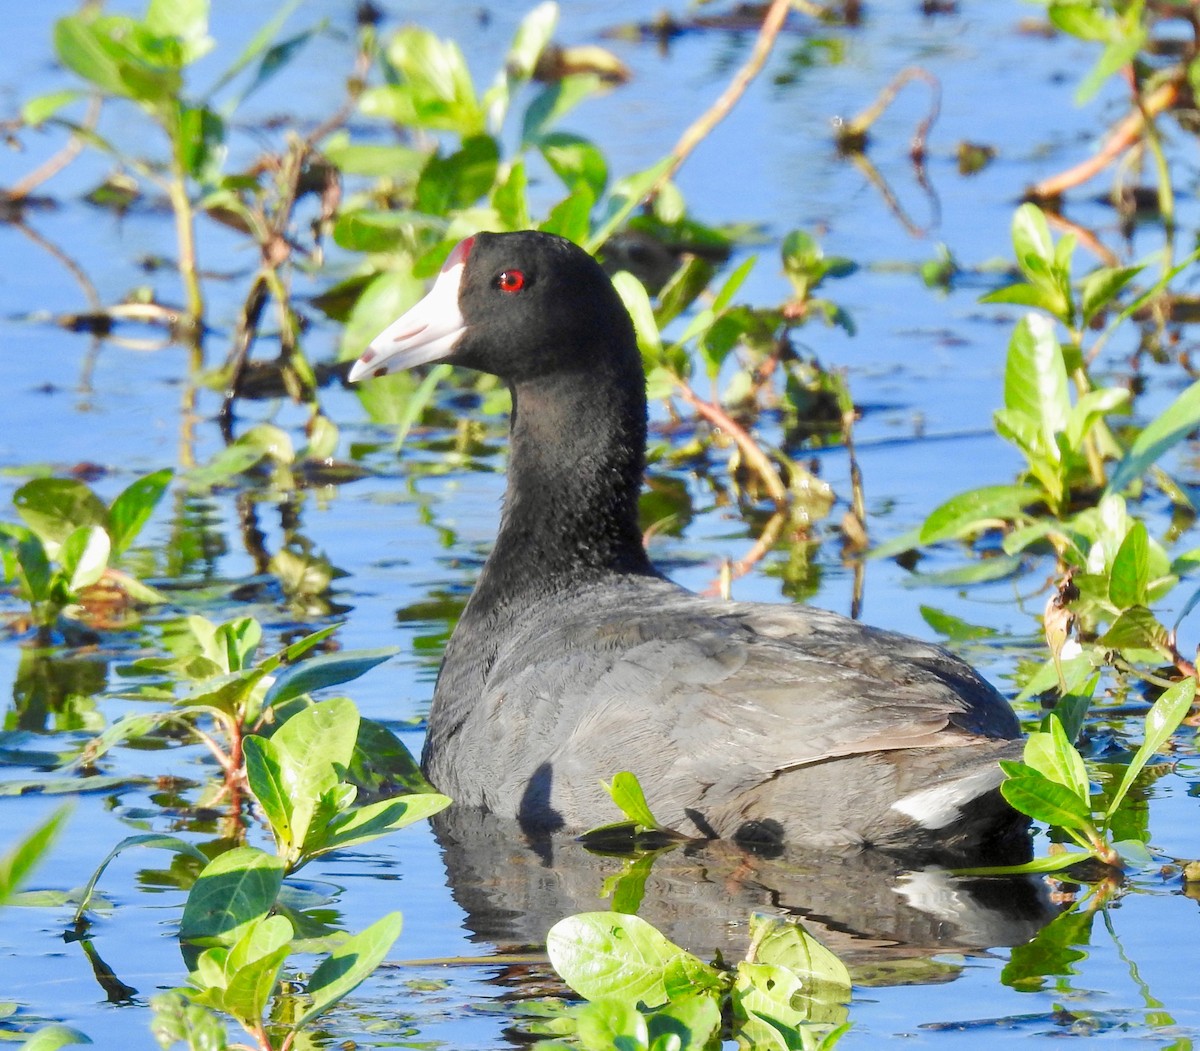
(575, 658)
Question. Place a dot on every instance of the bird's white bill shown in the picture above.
(424, 333)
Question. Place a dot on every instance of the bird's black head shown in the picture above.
(520, 306)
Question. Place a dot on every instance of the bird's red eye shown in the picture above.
(511, 281)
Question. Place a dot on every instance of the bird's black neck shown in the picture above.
(576, 461)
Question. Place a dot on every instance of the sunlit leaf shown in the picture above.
(1035, 377)
(55, 507)
(576, 161)
(1130, 572)
(1136, 628)
(603, 954)
(153, 840)
(17, 862)
(130, 510)
(52, 1037)
(1167, 429)
(1162, 720)
(1100, 286)
(1045, 800)
(42, 107)
(1052, 755)
(349, 964)
(976, 509)
(233, 892)
(626, 792)
(84, 556)
(362, 824)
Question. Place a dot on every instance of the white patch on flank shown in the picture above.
(937, 807)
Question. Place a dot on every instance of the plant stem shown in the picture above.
(186, 235)
(758, 460)
(700, 128)
(1124, 135)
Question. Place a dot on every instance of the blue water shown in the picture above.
(927, 367)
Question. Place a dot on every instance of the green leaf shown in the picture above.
(265, 778)
(1089, 408)
(437, 92)
(130, 510)
(346, 967)
(55, 507)
(987, 569)
(1031, 235)
(1035, 378)
(1167, 429)
(33, 561)
(257, 45)
(612, 1023)
(692, 1021)
(17, 863)
(1130, 573)
(387, 297)
(1025, 295)
(626, 792)
(637, 303)
(784, 942)
(252, 968)
(80, 48)
(553, 102)
(1045, 800)
(326, 669)
(52, 1037)
(571, 217)
(732, 283)
(234, 891)
(1051, 754)
(152, 840)
(1071, 709)
(1162, 720)
(365, 823)
(381, 763)
(1081, 18)
(576, 161)
(313, 742)
(1101, 286)
(977, 509)
(185, 20)
(601, 954)
(41, 108)
(84, 557)
(398, 163)
(1123, 47)
(626, 195)
(458, 181)
(1136, 628)
(773, 1009)
(510, 198)
(1052, 863)
(178, 1020)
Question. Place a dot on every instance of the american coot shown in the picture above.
(575, 659)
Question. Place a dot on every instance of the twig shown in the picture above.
(1124, 135)
(89, 290)
(700, 128)
(852, 135)
(57, 161)
(863, 163)
(731, 571)
(758, 460)
(1085, 237)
